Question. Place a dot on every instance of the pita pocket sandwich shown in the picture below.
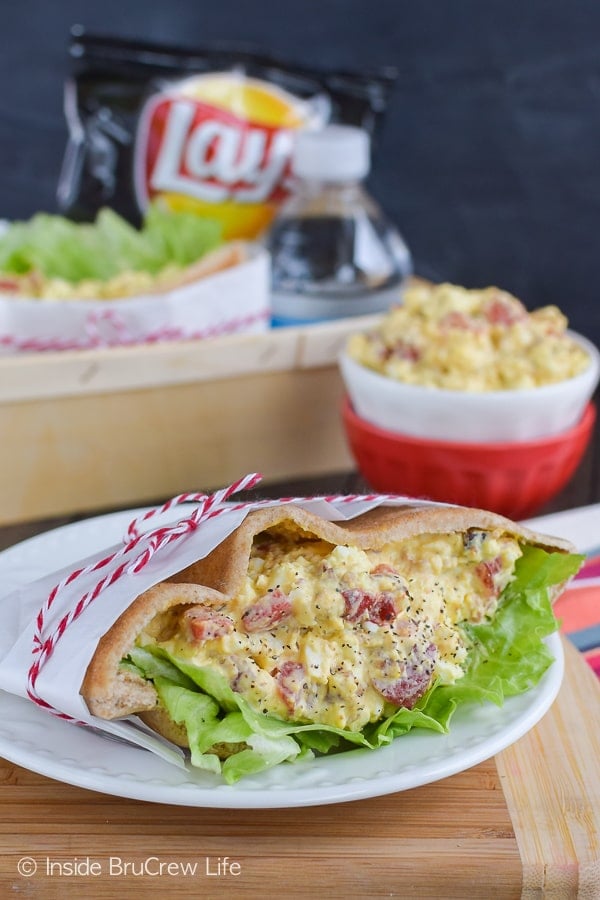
(299, 636)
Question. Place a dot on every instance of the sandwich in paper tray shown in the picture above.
(67, 285)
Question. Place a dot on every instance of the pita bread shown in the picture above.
(224, 257)
(133, 284)
(110, 691)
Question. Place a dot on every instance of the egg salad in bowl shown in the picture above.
(298, 636)
(447, 336)
(470, 365)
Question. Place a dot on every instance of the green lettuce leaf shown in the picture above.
(507, 656)
(57, 247)
(232, 720)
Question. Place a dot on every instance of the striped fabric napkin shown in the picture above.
(578, 609)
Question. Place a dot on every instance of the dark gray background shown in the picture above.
(489, 157)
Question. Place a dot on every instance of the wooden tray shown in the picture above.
(525, 824)
(84, 431)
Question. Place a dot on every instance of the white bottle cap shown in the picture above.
(333, 153)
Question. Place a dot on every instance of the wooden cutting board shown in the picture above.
(525, 824)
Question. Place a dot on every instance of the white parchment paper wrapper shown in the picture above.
(234, 300)
(62, 674)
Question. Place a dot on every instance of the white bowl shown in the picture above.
(490, 416)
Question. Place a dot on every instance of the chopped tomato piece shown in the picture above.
(379, 609)
(290, 682)
(205, 623)
(384, 569)
(383, 610)
(401, 350)
(503, 312)
(357, 603)
(404, 691)
(460, 320)
(413, 683)
(486, 571)
(269, 611)
(404, 350)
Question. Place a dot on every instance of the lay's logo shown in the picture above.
(219, 145)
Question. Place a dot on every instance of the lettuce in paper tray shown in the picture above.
(68, 285)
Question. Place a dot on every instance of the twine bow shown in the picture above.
(152, 541)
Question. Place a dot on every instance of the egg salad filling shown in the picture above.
(338, 635)
(129, 283)
(327, 647)
(446, 336)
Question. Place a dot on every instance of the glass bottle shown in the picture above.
(334, 253)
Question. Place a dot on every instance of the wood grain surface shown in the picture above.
(551, 782)
(525, 824)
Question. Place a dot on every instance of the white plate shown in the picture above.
(52, 747)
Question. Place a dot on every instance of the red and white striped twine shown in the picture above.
(211, 505)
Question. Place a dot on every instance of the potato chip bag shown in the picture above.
(207, 131)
